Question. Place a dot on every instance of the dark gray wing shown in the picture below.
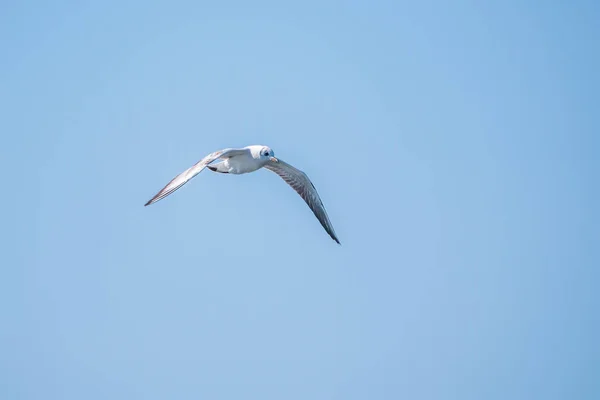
(191, 172)
(299, 181)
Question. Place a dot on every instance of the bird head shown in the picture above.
(268, 154)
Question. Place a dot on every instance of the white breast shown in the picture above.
(243, 164)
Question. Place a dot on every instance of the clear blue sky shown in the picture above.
(454, 144)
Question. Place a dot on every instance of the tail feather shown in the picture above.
(218, 167)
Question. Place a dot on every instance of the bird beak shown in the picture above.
(273, 159)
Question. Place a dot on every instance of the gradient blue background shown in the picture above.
(454, 144)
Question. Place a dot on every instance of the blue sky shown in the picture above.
(455, 146)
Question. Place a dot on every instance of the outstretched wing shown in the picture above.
(191, 172)
(299, 181)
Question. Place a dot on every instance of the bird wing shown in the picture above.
(300, 182)
(194, 170)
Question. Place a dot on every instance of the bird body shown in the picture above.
(247, 162)
(249, 159)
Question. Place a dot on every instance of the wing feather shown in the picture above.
(300, 182)
(192, 171)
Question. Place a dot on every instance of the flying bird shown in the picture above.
(249, 159)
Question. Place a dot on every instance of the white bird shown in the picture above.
(249, 159)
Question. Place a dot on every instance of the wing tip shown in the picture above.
(334, 237)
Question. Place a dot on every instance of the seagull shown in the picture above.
(249, 159)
